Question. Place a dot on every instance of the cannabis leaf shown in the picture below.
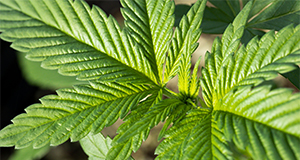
(74, 113)
(294, 77)
(171, 147)
(76, 40)
(150, 23)
(29, 153)
(240, 115)
(270, 111)
(96, 146)
(260, 60)
(189, 23)
(266, 14)
(133, 132)
(124, 150)
(32, 70)
(127, 71)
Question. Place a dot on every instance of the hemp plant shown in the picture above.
(234, 115)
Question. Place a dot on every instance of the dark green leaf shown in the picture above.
(180, 11)
(50, 79)
(265, 14)
(294, 77)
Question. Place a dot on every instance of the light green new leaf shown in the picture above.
(194, 85)
(96, 146)
(73, 113)
(188, 83)
(150, 23)
(76, 40)
(189, 23)
(185, 66)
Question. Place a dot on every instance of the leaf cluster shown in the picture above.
(126, 71)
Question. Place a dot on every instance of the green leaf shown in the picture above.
(171, 147)
(137, 127)
(189, 23)
(260, 60)
(258, 122)
(272, 118)
(194, 85)
(248, 122)
(188, 84)
(124, 150)
(29, 153)
(294, 77)
(276, 15)
(279, 54)
(180, 11)
(73, 113)
(245, 122)
(205, 141)
(241, 118)
(215, 20)
(150, 24)
(50, 79)
(221, 49)
(76, 40)
(157, 113)
(185, 66)
(266, 14)
(96, 146)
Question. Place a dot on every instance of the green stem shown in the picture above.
(167, 92)
(202, 103)
(192, 103)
